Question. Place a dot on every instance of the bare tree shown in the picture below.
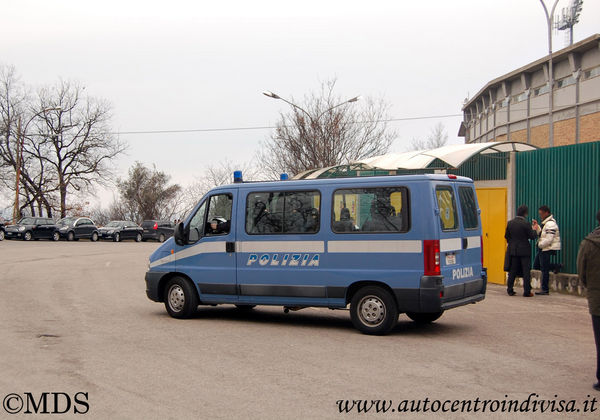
(115, 211)
(58, 143)
(437, 138)
(325, 131)
(217, 174)
(13, 102)
(75, 143)
(146, 194)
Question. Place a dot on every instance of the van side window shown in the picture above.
(376, 210)
(218, 221)
(274, 212)
(447, 206)
(468, 207)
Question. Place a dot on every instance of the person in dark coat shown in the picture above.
(588, 268)
(518, 254)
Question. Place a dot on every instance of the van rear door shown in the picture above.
(450, 233)
(470, 228)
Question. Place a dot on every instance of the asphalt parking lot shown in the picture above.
(75, 318)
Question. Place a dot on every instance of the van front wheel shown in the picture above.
(424, 318)
(373, 310)
(181, 300)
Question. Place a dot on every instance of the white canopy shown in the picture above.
(453, 155)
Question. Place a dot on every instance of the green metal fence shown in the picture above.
(568, 180)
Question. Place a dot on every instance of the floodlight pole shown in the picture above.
(550, 21)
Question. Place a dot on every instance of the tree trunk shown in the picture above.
(63, 200)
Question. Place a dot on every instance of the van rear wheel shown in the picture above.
(373, 310)
(424, 318)
(181, 299)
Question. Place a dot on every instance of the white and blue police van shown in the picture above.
(383, 245)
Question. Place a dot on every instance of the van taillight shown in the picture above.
(431, 254)
(155, 226)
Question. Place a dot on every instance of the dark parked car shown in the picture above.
(29, 228)
(1, 230)
(119, 230)
(75, 228)
(157, 230)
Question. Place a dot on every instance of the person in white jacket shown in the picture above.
(548, 243)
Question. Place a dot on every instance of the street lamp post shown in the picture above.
(19, 157)
(550, 21)
(275, 96)
(313, 121)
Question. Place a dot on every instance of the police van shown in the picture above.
(382, 245)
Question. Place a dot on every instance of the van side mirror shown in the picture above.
(180, 234)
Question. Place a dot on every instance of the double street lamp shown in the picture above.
(275, 96)
(19, 158)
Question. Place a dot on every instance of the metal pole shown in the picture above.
(549, 21)
(18, 171)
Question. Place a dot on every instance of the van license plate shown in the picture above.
(450, 259)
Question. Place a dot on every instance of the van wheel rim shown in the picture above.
(176, 298)
(55, 236)
(27, 236)
(371, 311)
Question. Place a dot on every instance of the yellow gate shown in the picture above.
(492, 202)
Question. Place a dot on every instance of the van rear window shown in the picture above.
(468, 207)
(290, 212)
(371, 210)
(447, 206)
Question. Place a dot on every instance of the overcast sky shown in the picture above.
(171, 65)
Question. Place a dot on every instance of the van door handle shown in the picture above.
(229, 246)
(465, 243)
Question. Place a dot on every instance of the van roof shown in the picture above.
(308, 183)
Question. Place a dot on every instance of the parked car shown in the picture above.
(75, 228)
(29, 228)
(119, 230)
(2, 232)
(157, 230)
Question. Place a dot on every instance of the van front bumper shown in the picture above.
(152, 285)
